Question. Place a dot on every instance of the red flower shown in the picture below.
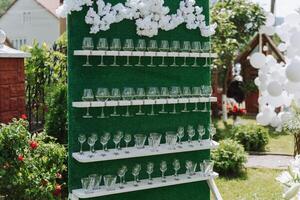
(235, 109)
(57, 190)
(21, 157)
(23, 116)
(33, 144)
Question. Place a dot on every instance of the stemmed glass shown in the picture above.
(189, 168)
(163, 169)
(127, 139)
(150, 167)
(91, 142)
(152, 47)
(186, 92)
(191, 134)
(175, 93)
(206, 48)
(116, 140)
(164, 47)
(196, 48)
(115, 46)
(128, 94)
(201, 132)
(196, 92)
(152, 94)
(88, 96)
(81, 140)
(121, 174)
(175, 47)
(140, 94)
(128, 46)
(102, 95)
(176, 167)
(135, 172)
(212, 132)
(102, 45)
(115, 95)
(164, 93)
(95, 137)
(121, 134)
(103, 141)
(207, 92)
(141, 46)
(186, 47)
(180, 135)
(87, 44)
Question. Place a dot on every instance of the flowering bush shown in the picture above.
(291, 124)
(30, 164)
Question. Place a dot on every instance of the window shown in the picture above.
(26, 17)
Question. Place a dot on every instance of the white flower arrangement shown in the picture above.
(149, 15)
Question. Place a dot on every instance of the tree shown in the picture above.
(238, 21)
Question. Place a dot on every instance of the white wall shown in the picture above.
(27, 21)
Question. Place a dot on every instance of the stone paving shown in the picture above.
(269, 161)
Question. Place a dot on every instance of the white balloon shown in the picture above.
(262, 120)
(257, 81)
(275, 122)
(257, 60)
(293, 71)
(295, 39)
(285, 116)
(292, 19)
(274, 88)
(268, 30)
(270, 21)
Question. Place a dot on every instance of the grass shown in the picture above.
(258, 184)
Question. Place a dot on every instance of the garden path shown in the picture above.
(268, 161)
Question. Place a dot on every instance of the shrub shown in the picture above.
(30, 164)
(56, 118)
(252, 137)
(229, 157)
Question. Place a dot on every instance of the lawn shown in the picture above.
(258, 184)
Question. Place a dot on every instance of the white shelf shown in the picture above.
(143, 185)
(147, 151)
(99, 104)
(143, 54)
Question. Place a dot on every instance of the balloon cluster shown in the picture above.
(279, 83)
(149, 15)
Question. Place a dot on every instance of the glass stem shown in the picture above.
(196, 106)
(127, 63)
(115, 60)
(163, 61)
(163, 108)
(174, 108)
(185, 107)
(174, 61)
(140, 108)
(149, 177)
(184, 61)
(152, 109)
(140, 60)
(195, 62)
(127, 111)
(87, 60)
(102, 113)
(88, 111)
(115, 110)
(81, 152)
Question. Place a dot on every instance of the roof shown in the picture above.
(7, 52)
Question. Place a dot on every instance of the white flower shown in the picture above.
(292, 192)
(284, 178)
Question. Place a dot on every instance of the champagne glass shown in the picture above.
(180, 135)
(141, 46)
(152, 94)
(207, 92)
(103, 141)
(150, 167)
(196, 48)
(186, 92)
(107, 135)
(164, 93)
(87, 44)
(175, 92)
(212, 132)
(102, 45)
(164, 47)
(121, 174)
(88, 96)
(115, 46)
(189, 166)
(128, 46)
(116, 140)
(175, 47)
(140, 94)
(127, 139)
(102, 95)
(135, 172)
(201, 132)
(206, 48)
(163, 169)
(81, 140)
(186, 47)
(176, 167)
(128, 94)
(196, 92)
(191, 134)
(125, 171)
(91, 142)
(95, 137)
(115, 95)
(121, 134)
(152, 47)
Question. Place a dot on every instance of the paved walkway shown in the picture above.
(269, 161)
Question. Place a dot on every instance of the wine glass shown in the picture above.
(175, 92)
(95, 137)
(180, 135)
(176, 167)
(196, 92)
(121, 134)
(186, 92)
(189, 166)
(150, 167)
(125, 171)
(186, 47)
(152, 47)
(207, 92)
(102, 45)
(81, 140)
(121, 174)
(91, 142)
(87, 44)
(140, 94)
(206, 48)
(115, 46)
(164, 93)
(135, 172)
(116, 140)
(141, 46)
(128, 94)
(212, 132)
(191, 134)
(103, 141)
(128, 46)
(107, 135)
(102, 95)
(196, 48)
(175, 47)
(127, 139)
(152, 93)
(201, 132)
(88, 96)
(115, 95)
(164, 47)
(163, 169)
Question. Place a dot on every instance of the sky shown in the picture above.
(283, 7)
